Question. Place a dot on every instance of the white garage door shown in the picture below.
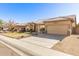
(58, 29)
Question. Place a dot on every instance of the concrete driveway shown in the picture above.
(44, 40)
(31, 47)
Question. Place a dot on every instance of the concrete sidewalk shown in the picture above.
(5, 51)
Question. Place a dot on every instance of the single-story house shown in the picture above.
(61, 25)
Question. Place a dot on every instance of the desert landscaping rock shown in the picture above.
(69, 45)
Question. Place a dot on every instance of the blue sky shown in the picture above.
(22, 13)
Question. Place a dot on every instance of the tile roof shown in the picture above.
(71, 17)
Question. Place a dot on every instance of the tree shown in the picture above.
(11, 25)
(1, 22)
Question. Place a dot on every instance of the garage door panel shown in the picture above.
(57, 29)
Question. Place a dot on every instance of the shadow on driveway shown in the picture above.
(56, 37)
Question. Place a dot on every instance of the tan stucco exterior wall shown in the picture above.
(59, 27)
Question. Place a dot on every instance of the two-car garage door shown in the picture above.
(57, 29)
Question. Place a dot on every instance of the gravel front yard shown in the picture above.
(69, 45)
(16, 35)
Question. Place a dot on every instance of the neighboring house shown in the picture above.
(25, 27)
(61, 25)
(20, 28)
